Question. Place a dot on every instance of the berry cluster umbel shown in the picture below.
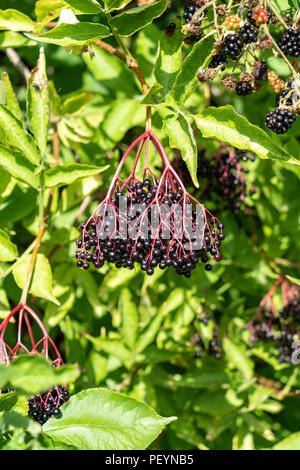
(280, 327)
(223, 178)
(159, 225)
(214, 346)
(42, 406)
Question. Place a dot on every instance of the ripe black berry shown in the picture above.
(243, 89)
(290, 42)
(42, 406)
(280, 120)
(190, 9)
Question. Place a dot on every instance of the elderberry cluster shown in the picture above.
(223, 178)
(213, 348)
(190, 9)
(290, 42)
(43, 406)
(281, 329)
(101, 239)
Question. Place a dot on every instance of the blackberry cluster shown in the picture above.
(190, 9)
(217, 60)
(243, 89)
(280, 120)
(290, 42)
(214, 346)
(101, 242)
(223, 178)
(248, 33)
(43, 406)
(282, 329)
(233, 46)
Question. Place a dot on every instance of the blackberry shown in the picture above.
(217, 60)
(243, 89)
(232, 46)
(280, 120)
(248, 34)
(42, 406)
(290, 42)
(190, 9)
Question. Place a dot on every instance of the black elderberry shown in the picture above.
(42, 406)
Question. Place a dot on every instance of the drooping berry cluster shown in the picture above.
(190, 9)
(223, 178)
(150, 222)
(280, 327)
(42, 406)
(280, 120)
(290, 42)
(214, 346)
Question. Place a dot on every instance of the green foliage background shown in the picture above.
(128, 332)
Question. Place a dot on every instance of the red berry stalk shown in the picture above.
(44, 405)
(149, 221)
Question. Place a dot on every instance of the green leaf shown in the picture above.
(112, 5)
(111, 72)
(15, 20)
(181, 137)
(168, 62)
(98, 419)
(10, 97)
(41, 284)
(129, 318)
(12, 39)
(17, 166)
(87, 7)
(291, 442)
(73, 104)
(148, 335)
(61, 175)
(33, 374)
(16, 135)
(73, 34)
(129, 22)
(226, 125)
(205, 378)
(238, 358)
(111, 346)
(47, 10)
(197, 58)
(8, 250)
(38, 102)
